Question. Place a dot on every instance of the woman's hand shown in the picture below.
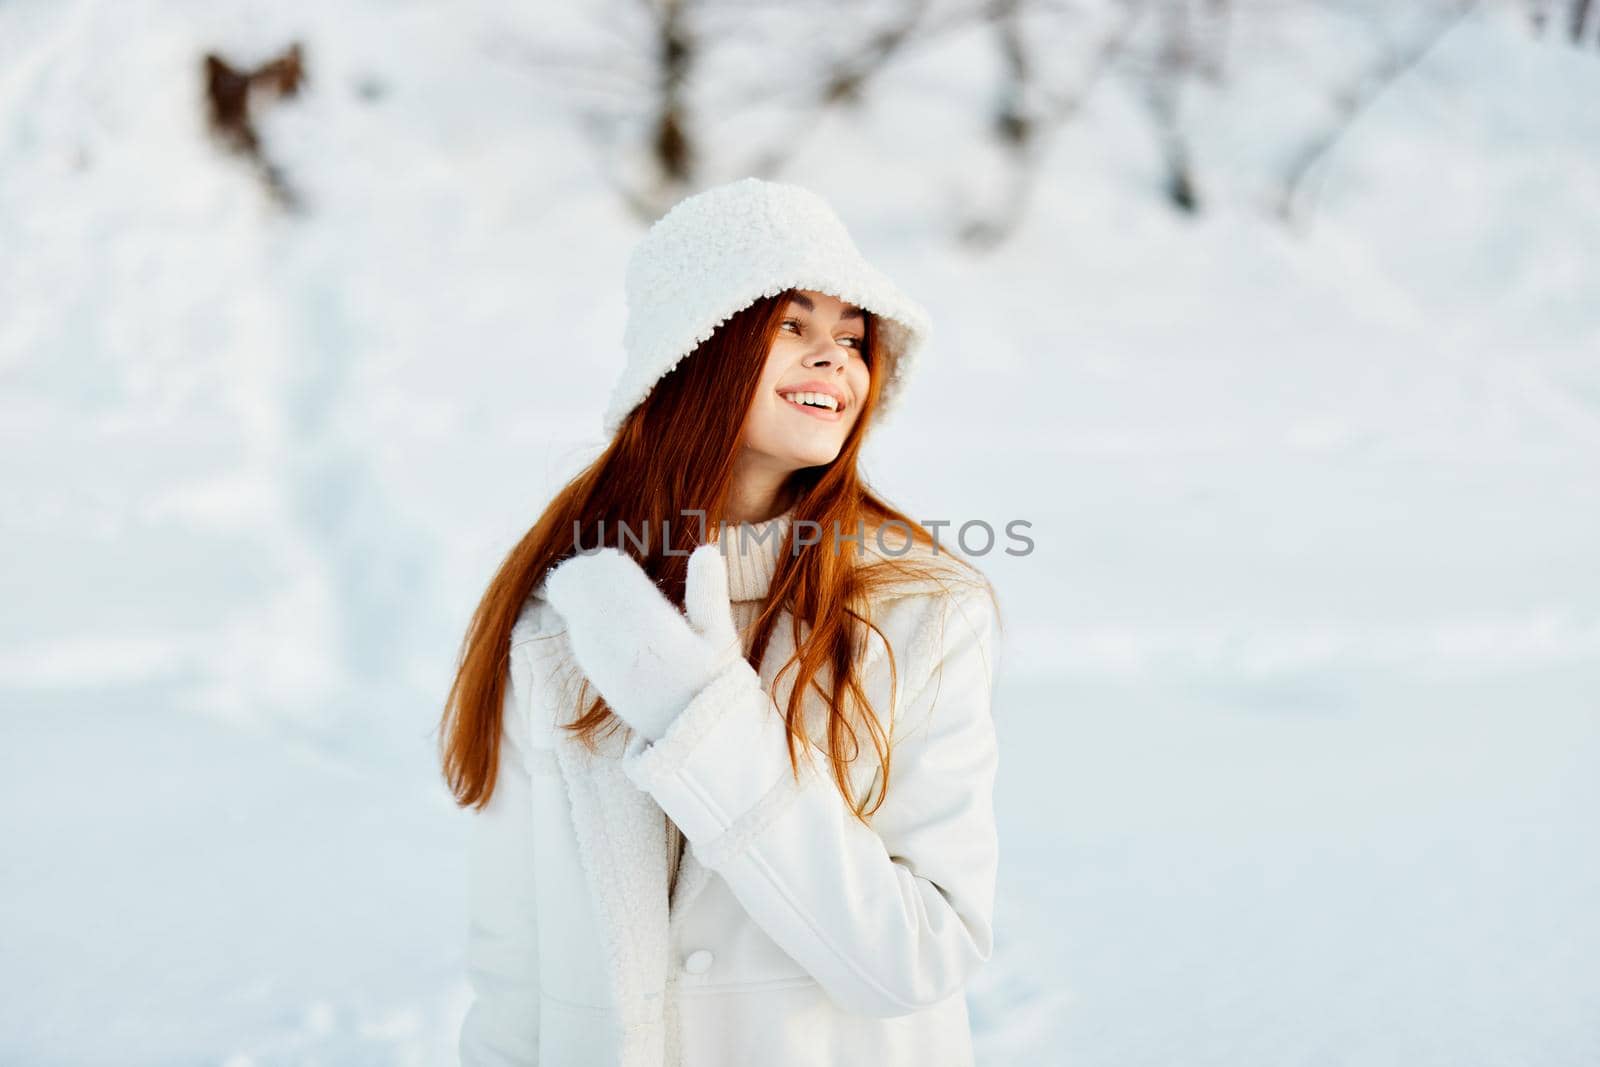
(633, 644)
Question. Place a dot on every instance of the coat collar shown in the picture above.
(622, 844)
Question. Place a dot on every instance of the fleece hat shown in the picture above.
(718, 251)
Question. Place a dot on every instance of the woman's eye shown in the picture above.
(799, 327)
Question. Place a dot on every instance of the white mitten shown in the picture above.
(633, 644)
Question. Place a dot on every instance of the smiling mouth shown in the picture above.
(813, 401)
(815, 411)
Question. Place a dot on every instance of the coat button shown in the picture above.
(697, 962)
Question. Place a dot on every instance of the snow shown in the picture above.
(1300, 696)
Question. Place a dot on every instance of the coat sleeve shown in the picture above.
(890, 918)
(501, 1028)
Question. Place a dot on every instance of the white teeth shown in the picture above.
(822, 400)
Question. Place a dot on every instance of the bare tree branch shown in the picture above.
(1353, 101)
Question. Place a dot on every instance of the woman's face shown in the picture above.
(815, 357)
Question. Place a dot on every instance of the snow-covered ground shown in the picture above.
(1300, 696)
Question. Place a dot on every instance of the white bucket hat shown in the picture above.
(718, 251)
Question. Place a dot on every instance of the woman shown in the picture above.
(825, 910)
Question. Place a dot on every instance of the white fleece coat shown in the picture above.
(791, 933)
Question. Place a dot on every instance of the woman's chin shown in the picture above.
(813, 456)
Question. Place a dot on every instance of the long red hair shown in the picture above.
(661, 465)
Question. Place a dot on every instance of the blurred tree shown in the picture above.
(646, 104)
(1028, 111)
(678, 94)
(229, 92)
(1578, 20)
(1393, 61)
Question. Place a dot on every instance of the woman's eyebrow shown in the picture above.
(850, 310)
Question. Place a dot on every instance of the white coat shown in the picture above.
(793, 934)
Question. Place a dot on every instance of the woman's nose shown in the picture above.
(825, 358)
